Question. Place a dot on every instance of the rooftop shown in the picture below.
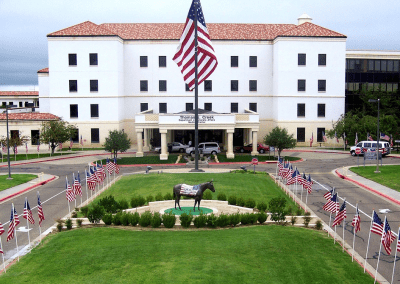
(29, 116)
(19, 93)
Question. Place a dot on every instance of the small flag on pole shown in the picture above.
(28, 213)
(341, 215)
(312, 139)
(40, 210)
(116, 167)
(377, 225)
(332, 205)
(14, 221)
(26, 146)
(69, 192)
(387, 238)
(329, 194)
(356, 221)
(81, 141)
(77, 186)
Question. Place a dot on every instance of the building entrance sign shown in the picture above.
(202, 118)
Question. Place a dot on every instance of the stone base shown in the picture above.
(163, 156)
(254, 153)
(230, 155)
(139, 154)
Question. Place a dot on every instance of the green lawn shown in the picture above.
(22, 157)
(389, 175)
(258, 254)
(248, 158)
(16, 180)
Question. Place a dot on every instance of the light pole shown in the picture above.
(8, 142)
(377, 135)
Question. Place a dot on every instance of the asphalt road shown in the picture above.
(320, 165)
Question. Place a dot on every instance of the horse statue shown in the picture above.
(194, 191)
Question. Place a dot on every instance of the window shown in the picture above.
(253, 85)
(301, 60)
(321, 110)
(3, 104)
(93, 59)
(321, 59)
(187, 88)
(189, 106)
(301, 110)
(162, 85)
(301, 85)
(234, 85)
(73, 111)
(162, 108)
(72, 59)
(143, 86)
(34, 137)
(143, 61)
(94, 110)
(94, 85)
(20, 104)
(234, 107)
(14, 134)
(320, 134)
(75, 136)
(162, 61)
(10, 103)
(301, 134)
(94, 135)
(253, 107)
(208, 106)
(253, 61)
(144, 106)
(73, 85)
(321, 85)
(234, 61)
(208, 85)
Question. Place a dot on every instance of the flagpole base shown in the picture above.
(196, 171)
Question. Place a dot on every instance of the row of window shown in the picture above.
(301, 85)
(162, 86)
(94, 111)
(189, 106)
(73, 59)
(302, 59)
(386, 87)
(73, 85)
(301, 134)
(301, 110)
(372, 65)
(22, 104)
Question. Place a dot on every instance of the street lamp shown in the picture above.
(8, 142)
(377, 135)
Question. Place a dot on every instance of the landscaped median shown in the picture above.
(388, 176)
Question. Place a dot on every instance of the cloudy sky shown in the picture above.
(25, 23)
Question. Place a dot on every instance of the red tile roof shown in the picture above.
(29, 116)
(44, 70)
(217, 31)
(19, 93)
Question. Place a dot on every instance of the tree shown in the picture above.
(14, 141)
(54, 132)
(117, 140)
(280, 139)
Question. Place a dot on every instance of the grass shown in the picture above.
(248, 157)
(258, 254)
(22, 157)
(389, 175)
(16, 180)
(82, 149)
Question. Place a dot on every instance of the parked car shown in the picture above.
(205, 148)
(366, 146)
(173, 147)
(248, 148)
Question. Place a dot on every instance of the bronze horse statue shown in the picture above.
(195, 191)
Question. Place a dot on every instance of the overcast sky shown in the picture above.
(25, 23)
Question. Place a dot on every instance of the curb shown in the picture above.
(367, 188)
(27, 189)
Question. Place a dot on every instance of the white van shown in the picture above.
(366, 146)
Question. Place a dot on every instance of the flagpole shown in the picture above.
(27, 222)
(395, 255)
(40, 227)
(15, 231)
(66, 193)
(73, 178)
(369, 237)
(344, 224)
(87, 194)
(4, 264)
(354, 237)
(380, 248)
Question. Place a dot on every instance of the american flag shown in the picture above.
(40, 210)
(356, 221)
(293, 178)
(102, 172)
(81, 141)
(337, 139)
(398, 241)
(309, 184)
(377, 225)
(356, 140)
(116, 167)
(109, 167)
(26, 146)
(281, 167)
(60, 146)
(324, 136)
(14, 221)
(369, 137)
(98, 174)
(77, 185)
(387, 237)
(332, 205)
(312, 139)
(38, 146)
(91, 183)
(1, 229)
(302, 179)
(329, 194)
(385, 137)
(185, 54)
(71, 143)
(3, 147)
(28, 213)
(289, 171)
(70, 194)
(341, 215)
(15, 149)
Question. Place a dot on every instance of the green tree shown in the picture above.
(54, 132)
(280, 139)
(117, 140)
(14, 141)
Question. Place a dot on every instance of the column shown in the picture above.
(254, 152)
(146, 140)
(229, 153)
(139, 152)
(164, 153)
(249, 136)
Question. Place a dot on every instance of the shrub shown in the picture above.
(293, 220)
(186, 219)
(145, 219)
(107, 218)
(223, 220)
(253, 218)
(221, 196)
(318, 225)
(77, 209)
(85, 210)
(168, 196)
(95, 214)
(262, 206)
(277, 209)
(141, 200)
(245, 218)
(123, 204)
(232, 200)
(159, 197)
(59, 227)
(200, 221)
(212, 220)
(234, 219)
(169, 220)
(299, 211)
(117, 219)
(250, 203)
(262, 217)
(134, 202)
(109, 204)
(240, 201)
(79, 222)
(307, 219)
(125, 219)
(289, 211)
(134, 218)
(156, 220)
(68, 224)
(74, 214)
(207, 195)
(150, 198)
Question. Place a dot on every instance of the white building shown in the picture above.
(121, 76)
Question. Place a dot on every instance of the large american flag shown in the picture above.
(14, 221)
(332, 205)
(356, 221)
(40, 210)
(341, 215)
(293, 178)
(185, 54)
(109, 167)
(387, 237)
(377, 225)
(116, 167)
(77, 185)
(329, 194)
(28, 212)
(102, 172)
(385, 137)
(70, 194)
(98, 174)
(90, 180)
